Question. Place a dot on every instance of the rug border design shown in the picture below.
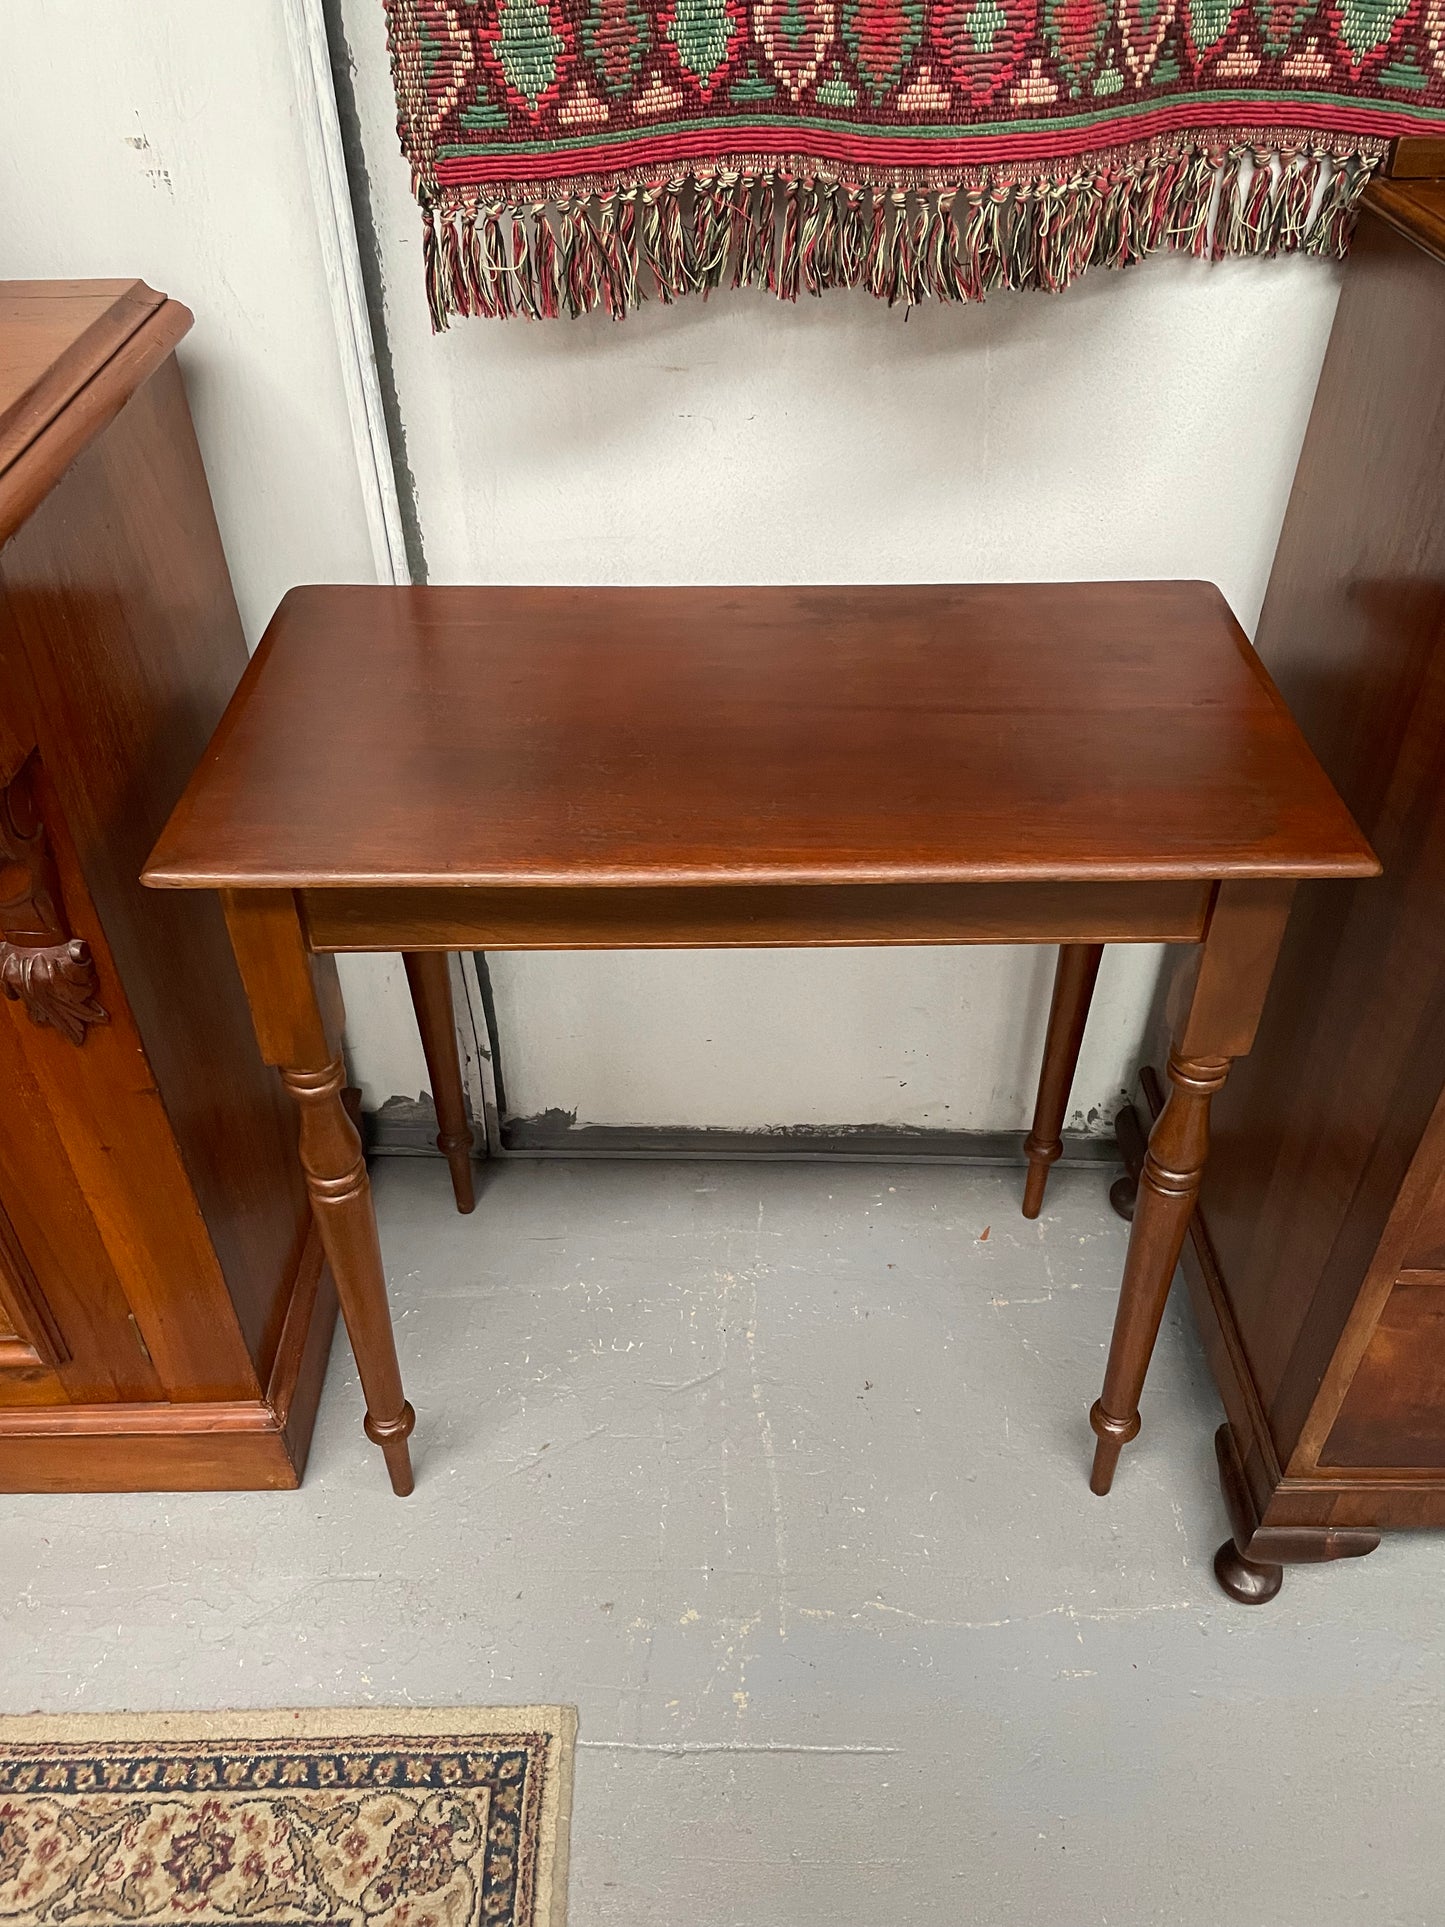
(308, 1724)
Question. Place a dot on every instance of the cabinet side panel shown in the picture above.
(118, 591)
(1316, 1131)
(90, 1179)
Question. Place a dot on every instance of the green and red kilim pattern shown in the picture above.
(581, 154)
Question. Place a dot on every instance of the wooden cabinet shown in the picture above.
(164, 1311)
(1318, 1261)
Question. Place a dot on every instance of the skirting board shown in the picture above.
(404, 1128)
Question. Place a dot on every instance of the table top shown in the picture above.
(494, 736)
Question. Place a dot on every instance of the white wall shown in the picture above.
(176, 156)
(1143, 424)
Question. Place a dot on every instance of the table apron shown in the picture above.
(745, 916)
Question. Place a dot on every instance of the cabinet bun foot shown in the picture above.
(1242, 1579)
(1122, 1193)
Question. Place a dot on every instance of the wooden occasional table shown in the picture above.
(439, 769)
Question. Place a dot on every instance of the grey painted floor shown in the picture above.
(779, 1474)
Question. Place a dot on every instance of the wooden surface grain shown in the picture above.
(1320, 1239)
(120, 621)
(420, 756)
(1318, 1129)
(1416, 156)
(753, 916)
(54, 336)
(155, 1225)
(871, 735)
(1415, 208)
(96, 402)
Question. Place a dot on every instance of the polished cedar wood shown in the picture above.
(54, 336)
(1074, 979)
(1416, 159)
(1318, 1268)
(1070, 764)
(1415, 209)
(1216, 1012)
(1022, 733)
(298, 1017)
(428, 975)
(761, 916)
(164, 1309)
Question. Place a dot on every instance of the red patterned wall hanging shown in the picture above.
(572, 155)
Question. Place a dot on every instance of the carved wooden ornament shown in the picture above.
(42, 966)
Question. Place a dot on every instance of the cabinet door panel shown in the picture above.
(63, 1262)
(29, 1335)
(1426, 1248)
(1394, 1411)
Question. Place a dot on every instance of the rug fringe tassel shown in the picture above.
(798, 234)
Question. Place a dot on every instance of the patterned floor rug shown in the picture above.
(371, 1818)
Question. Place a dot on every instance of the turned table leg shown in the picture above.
(1221, 1013)
(429, 975)
(340, 1193)
(296, 1009)
(1168, 1187)
(1078, 967)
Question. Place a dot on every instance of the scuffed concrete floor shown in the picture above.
(778, 1472)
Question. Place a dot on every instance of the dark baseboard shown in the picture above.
(408, 1129)
(404, 1127)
